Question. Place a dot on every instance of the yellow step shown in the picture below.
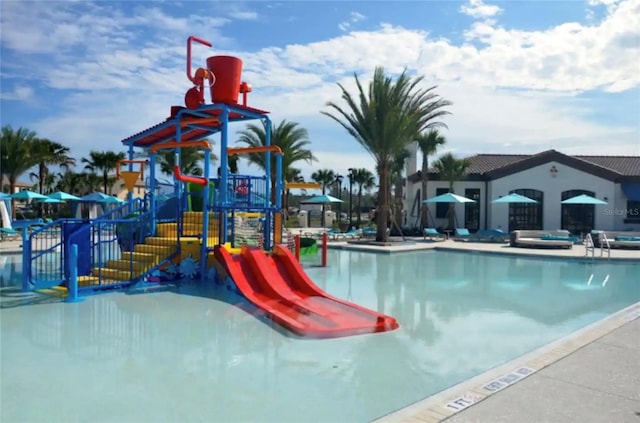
(196, 218)
(160, 250)
(116, 275)
(162, 241)
(63, 289)
(130, 265)
(145, 257)
(193, 229)
(87, 281)
(53, 292)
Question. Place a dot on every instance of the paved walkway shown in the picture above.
(598, 383)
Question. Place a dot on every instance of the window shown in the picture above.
(526, 215)
(577, 218)
(472, 210)
(632, 214)
(442, 208)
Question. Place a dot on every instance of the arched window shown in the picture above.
(577, 218)
(526, 216)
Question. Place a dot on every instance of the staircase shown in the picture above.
(155, 250)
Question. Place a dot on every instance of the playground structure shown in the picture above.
(227, 229)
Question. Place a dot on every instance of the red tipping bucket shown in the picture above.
(228, 71)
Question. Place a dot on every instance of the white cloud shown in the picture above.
(244, 15)
(513, 90)
(478, 9)
(19, 93)
(354, 17)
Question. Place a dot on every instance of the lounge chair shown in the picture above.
(369, 232)
(462, 234)
(489, 235)
(9, 234)
(353, 233)
(432, 233)
(318, 235)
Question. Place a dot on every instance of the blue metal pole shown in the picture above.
(152, 189)
(26, 260)
(177, 161)
(278, 192)
(205, 216)
(267, 158)
(267, 169)
(224, 174)
(72, 295)
(130, 195)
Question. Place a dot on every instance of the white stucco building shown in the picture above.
(548, 177)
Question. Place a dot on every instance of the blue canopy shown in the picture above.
(449, 198)
(583, 199)
(63, 196)
(321, 199)
(514, 198)
(632, 191)
(28, 195)
(98, 197)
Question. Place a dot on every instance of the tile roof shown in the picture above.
(623, 165)
(498, 165)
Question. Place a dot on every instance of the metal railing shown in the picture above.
(44, 249)
(120, 250)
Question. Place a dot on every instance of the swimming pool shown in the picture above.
(188, 354)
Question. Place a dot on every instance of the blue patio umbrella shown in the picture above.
(583, 199)
(449, 198)
(4, 196)
(321, 199)
(63, 196)
(98, 197)
(50, 201)
(28, 195)
(514, 198)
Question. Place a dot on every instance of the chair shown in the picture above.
(353, 233)
(432, 233)
(9, 234)
(462, 234)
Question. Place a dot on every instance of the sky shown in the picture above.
(523, 76)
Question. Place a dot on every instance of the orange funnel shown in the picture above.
(227, 71)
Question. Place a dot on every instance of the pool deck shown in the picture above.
(592, 375)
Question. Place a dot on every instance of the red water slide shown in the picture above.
(277, 284)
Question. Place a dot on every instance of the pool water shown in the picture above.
(189, 354)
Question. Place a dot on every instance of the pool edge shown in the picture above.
(457, 398)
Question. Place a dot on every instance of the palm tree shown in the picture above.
(190, 161)
(77, 183)
(428, 143)
(364, 180)
(325, 177)
(49, 153)
(385, 120)
(16, 156)
(292, 175)
(396, 179)
(451, 169)
(104, 161)
(292, 139)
